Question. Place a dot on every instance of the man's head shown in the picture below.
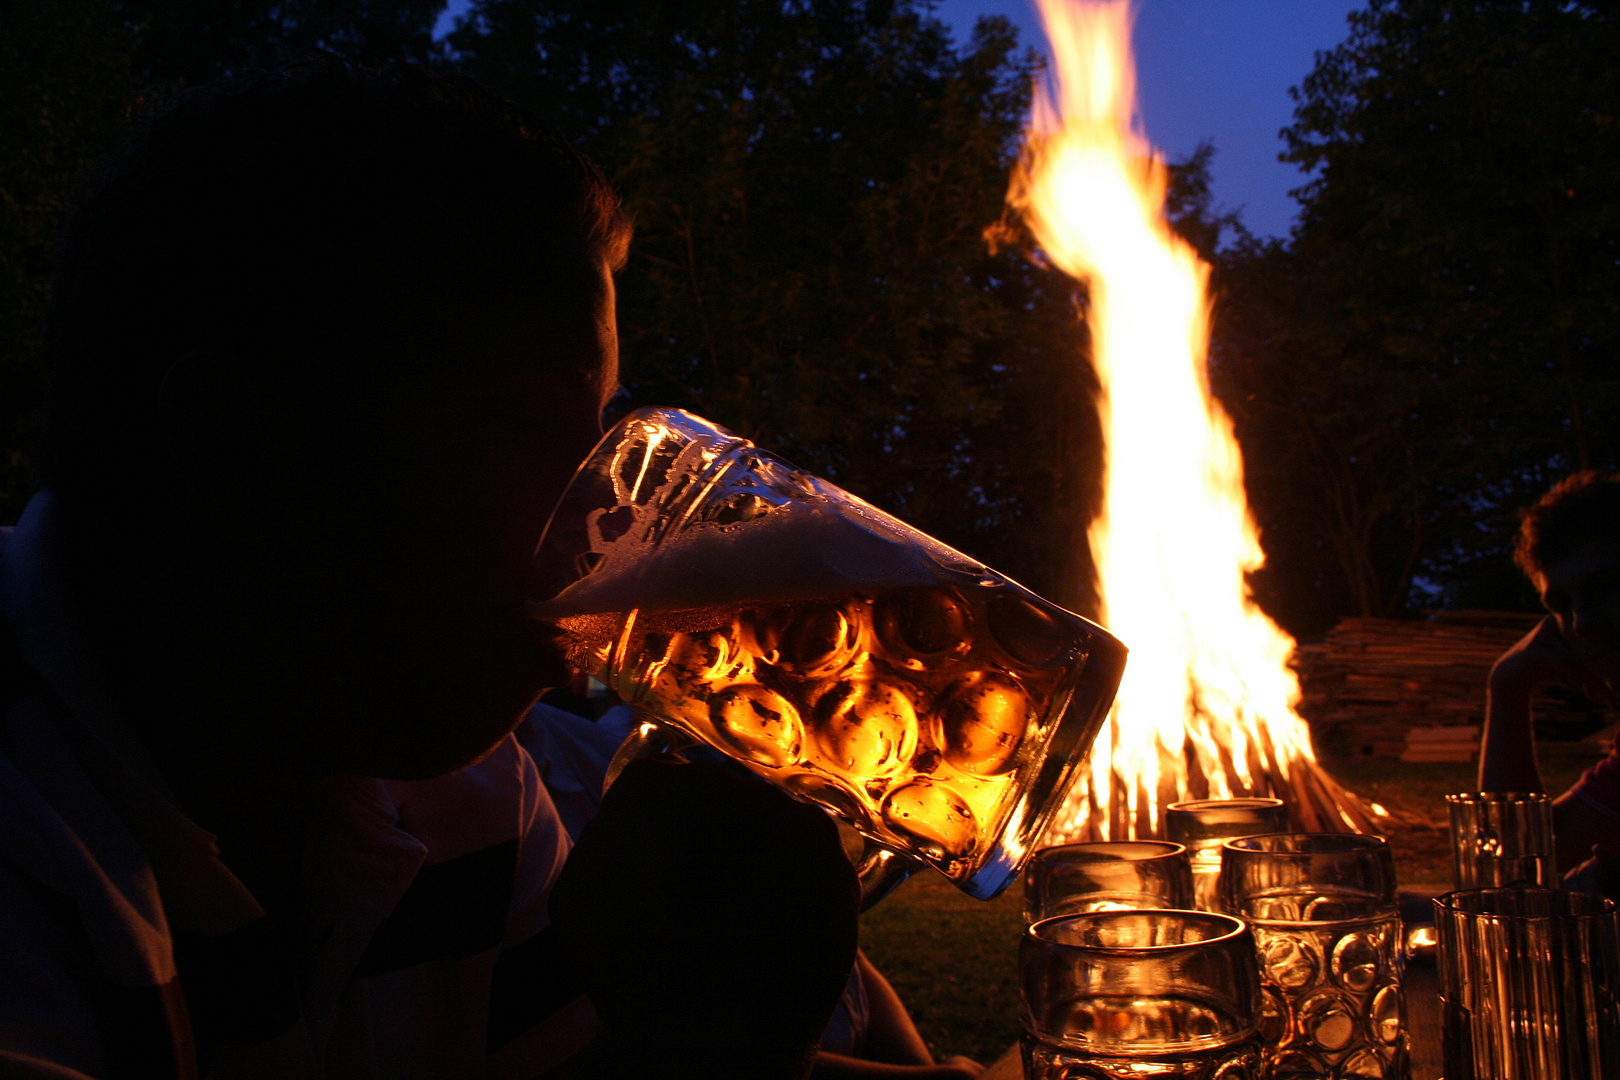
(1569, 548)
(327, 346)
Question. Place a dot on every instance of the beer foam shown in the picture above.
(801, 551)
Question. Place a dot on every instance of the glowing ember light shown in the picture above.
(1207, 705)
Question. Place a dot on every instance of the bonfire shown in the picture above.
(1207, 708)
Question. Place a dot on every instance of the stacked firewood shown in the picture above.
(1415, 689)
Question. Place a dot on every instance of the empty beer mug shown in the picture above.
(1070, 879)
(1140, 995)
(1322, 909)
(1529, 985)
(1203, 825)
(1501, 839)
(745, 607)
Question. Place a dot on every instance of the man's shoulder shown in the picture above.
(84, 943)
(17, 679)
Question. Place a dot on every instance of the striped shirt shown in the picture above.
(128, 949)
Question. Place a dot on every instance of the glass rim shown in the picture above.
(584, 463)
(1329, 844)
(1469, 798)
(1248, 802)
(1236, 928)
(1605, 908)
(1168, 849)
(611, 434)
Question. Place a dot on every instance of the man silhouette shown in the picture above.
(327, 345)
(1569, 548)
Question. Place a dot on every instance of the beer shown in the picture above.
(826, 646)
(909, 709)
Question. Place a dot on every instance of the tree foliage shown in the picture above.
(66, 85)
(72, 73)
(811, 182)
(186, 42)
(1435, 343)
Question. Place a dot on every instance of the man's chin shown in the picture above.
(424, 760)
(414, 744)
(426, 711)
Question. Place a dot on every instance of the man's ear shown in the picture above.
(224, 446)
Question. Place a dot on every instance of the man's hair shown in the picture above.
(1578, 510)
(309, 223)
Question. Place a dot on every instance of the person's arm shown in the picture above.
(894, 1049)
(840, 1067)
(1507, 759)
(1578, 832)
(1598, 875)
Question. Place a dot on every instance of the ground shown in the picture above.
(954, 959)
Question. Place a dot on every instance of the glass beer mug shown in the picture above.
(745, 607)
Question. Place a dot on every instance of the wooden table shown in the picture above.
(1422, 992)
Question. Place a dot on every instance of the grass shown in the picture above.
(954, 959)
(954, 962)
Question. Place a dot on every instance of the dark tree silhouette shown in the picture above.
(811, 183)
(185, 42)
(1436, 341)
(66, 85)
(71, 73)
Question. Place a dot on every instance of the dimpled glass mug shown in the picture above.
(1122, 875)
(1323, 912)
(745, 607)
(1140, 995)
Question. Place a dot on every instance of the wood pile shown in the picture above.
(1415, 689)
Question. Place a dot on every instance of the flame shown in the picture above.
(1207, 706)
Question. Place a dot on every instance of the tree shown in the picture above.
(1435, 342)
(811, 182)
(186, 42)
(66, 86)
(72, 72)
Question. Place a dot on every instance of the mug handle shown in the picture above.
(880, 869)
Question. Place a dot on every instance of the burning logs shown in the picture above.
(1206, 706)
(1130, 807)
(1408, 689)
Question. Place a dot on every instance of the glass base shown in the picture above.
(1331, 999)
(1238, 1060)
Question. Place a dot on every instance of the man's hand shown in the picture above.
(713, 920)
(839, 1067)
(1599, 875)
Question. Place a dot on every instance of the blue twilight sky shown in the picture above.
(1206, 69)
(1217, 70)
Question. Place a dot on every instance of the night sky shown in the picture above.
(1207, 69)
(1217, 70)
